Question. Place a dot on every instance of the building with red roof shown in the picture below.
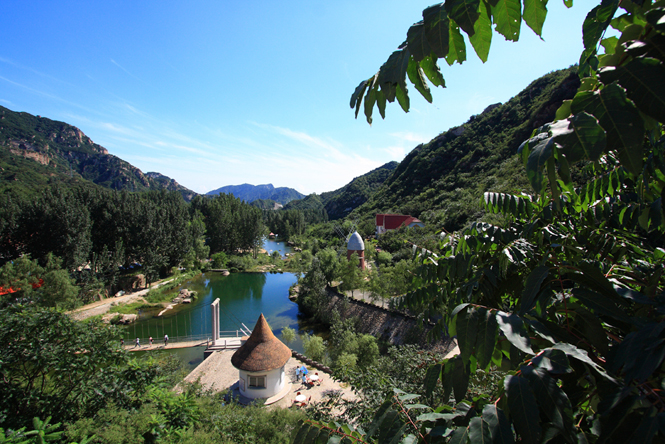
(387, 222)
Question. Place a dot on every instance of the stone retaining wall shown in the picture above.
(391, 326)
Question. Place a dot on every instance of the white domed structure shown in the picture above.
(356, 245)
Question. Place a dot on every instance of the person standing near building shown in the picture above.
(166, 340)
(150, 340)
(138, 343)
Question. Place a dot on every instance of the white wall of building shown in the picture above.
(275, 382)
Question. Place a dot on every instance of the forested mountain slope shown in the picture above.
(339, 203)
(442, 181)
(250, 193)
(57, 151)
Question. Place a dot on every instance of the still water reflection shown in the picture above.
(243, 297)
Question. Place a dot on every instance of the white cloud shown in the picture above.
(395, 152)
(411, 137)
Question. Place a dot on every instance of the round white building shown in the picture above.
(260, 362)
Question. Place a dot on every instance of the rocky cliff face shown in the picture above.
(67, 150)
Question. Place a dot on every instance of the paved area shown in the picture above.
(216, 373)
(103, 306)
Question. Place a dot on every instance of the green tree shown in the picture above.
(368, 350)
(52, 365)
(288, 335)
(350, 274)
(314, 347)
(330, 265)
(49, 286)
(219, 260)
(568, 296)
(312, 297)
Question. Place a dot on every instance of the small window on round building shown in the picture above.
(257, 381)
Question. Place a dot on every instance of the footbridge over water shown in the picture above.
(216, 340)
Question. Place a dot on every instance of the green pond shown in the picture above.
(243, 297)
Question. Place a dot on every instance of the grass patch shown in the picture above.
(166, 293)
(131, 308)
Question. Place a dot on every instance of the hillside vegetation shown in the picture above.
(443, 181)
(57, 151)
(339, 203)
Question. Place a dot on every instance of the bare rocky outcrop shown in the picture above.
(123, 318)
(184, 297)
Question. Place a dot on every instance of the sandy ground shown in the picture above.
(216, 373)
(103, 306)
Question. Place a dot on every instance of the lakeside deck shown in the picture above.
(222, 344)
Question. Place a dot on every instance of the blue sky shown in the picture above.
(215, 93)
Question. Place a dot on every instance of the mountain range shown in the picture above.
(57, 151)
(441, 181)
(250, 193)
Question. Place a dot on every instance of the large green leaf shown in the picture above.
(581, 137)
(486, 337)
(534, 15)
(643, 80)
(357, 96)
(436, 24)
(431, 378)
(551, 399)
(467, 328)
(513, 327)
(457, 47)
(379, 416)
(600, 304)
(597, 21)
(460, 378)
(393, 73)
(523, 409)
(479, 431)
(656, 18)
(552, 360)
(460, 436)
(402, 95)
(640, 353)
(507, 17)
(582, 356)
(498, 424)
(464, 12)
(482, 36)
(432, 71)
(417, 77)
(417, 42)
(532, 287)
(370, 98)
(620, 120)
(537, 160)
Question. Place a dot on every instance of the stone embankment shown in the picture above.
(388, 325)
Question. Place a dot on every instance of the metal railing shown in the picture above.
(189, 338)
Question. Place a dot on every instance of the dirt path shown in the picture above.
(103, 306)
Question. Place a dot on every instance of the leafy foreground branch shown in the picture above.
(568, 298)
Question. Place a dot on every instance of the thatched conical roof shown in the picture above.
(262, 351)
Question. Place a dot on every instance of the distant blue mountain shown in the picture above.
(249, 193)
